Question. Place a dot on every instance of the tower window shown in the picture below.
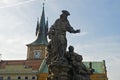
(33, 77)
(26, 78)
(9, 78)
(19, 77)
(36, 53)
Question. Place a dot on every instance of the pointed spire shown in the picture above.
(42, 21)
(41, 30)
(38, 27)
(43, 3)
(46, 26)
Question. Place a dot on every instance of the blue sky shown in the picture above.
(99, 21)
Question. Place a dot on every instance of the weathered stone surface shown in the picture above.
(62, 64)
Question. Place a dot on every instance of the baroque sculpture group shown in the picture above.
(62, 64)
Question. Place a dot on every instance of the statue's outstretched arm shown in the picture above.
(71, 29)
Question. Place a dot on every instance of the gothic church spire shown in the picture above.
(41, 30)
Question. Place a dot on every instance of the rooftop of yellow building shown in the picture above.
(21, 66)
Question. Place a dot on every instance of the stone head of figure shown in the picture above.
(71, 49)
(79, 58)
(64, 14)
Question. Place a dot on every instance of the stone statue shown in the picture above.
(58, 33)
(78, 70)
(62, 64)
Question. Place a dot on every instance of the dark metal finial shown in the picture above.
(43, 3)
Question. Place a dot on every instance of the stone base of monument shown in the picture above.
(59, 70)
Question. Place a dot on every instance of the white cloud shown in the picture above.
(12, 3)
(99, 48)
(14, 33)
(79, 34)
(9, 2)
(53, 5)
(14, 47)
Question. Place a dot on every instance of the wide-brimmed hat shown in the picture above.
(65, 12)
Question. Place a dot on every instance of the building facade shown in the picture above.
(19, 69)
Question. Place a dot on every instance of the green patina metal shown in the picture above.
(98, 66)
(41, 31)
(43, 68)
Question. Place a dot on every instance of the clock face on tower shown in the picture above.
(37, 54)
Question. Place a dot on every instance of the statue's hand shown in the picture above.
(77, 31)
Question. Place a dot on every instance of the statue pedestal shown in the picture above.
(59, 70)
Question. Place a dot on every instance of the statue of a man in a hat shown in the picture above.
(58, 33)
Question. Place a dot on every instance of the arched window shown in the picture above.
(26, 78)
(33, 78)
(8, 78)
(19, 77)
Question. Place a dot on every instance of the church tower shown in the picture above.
(37, 49)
